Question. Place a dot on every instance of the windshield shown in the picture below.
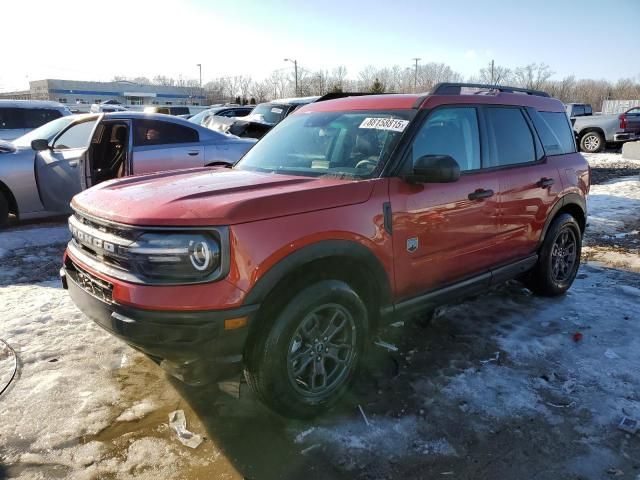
(267, 113)
(46, 131)
(352, 144)
(198, 118)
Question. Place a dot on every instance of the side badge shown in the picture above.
(412, 244)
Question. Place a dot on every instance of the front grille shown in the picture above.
(101, 242)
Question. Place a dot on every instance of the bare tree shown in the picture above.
(164, 81)
(495, 74)
(533, 76)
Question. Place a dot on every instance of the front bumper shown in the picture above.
(192, 346)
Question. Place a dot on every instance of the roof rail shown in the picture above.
(456, 89)
(334, 95)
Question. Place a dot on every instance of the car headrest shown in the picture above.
(119, 134)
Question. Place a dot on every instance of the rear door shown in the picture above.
(159, 145)
(529, 181)
(445, 232)
(58, 168)
(632, 117)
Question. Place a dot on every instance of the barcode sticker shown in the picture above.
(393, 124)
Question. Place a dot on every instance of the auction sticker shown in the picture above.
(393, 124)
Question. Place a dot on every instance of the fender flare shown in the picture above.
(324, 249)
(568, 199)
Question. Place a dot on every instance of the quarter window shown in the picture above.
(453, 132)
(153, 132)
(554, 131)
(510, 137)
(77, 136)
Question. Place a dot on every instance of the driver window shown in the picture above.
(453, 132)
(77, 136)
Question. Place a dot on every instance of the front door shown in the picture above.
(444, 232)
(57, 168)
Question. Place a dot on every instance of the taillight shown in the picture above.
(623, 121)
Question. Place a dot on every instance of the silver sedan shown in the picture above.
(41, 171)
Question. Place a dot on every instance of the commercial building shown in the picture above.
(127, 93)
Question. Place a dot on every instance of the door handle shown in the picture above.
(480, 194)
(193, 154)
(545, 182)
(73, 163)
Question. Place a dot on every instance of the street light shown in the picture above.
(295, 66)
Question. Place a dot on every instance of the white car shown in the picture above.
(18, 117)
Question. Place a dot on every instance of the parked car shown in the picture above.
(18, 117)
(349, 213)
(593, 132)
(40, 172)
(108, 106)
(168, 110)
(225, 111)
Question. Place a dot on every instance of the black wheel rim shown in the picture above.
(322, 350)
(564, 255)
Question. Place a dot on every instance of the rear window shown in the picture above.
(11, 118)
(153, 132)
(554, 131)
(511, 137)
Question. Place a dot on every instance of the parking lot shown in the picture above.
(505, 385)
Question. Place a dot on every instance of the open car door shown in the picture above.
(57, 167)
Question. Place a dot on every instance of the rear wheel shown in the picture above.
(307, 353)
(592, 142)
(4, 211)
(559, 258)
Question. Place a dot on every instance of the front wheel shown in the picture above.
(559, 258)
(306, 355)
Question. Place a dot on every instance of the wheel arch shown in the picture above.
(5, 191)
(336, 259)
(573, 204)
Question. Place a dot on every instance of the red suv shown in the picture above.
(348, 213)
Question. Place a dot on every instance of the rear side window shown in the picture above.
(554, 132)
(453, 132)
(510, 137)
(39, 116)
(153, 132)
(76, 136)
(11, 118)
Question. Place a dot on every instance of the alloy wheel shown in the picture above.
(322, 350)
(592, 143)
(564, 255)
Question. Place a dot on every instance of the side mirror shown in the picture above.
(435, 169)
(40, 144)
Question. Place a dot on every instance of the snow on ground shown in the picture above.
(610, 160)
(613, 205)
(32, 237)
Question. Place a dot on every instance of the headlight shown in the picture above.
(175, 257)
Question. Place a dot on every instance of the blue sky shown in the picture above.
(586, 38)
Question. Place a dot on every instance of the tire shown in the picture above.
(559, 258)
(277, 367)
(592, 142)
(4, 211)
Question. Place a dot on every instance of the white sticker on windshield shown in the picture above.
(393, 124)
(276, 110)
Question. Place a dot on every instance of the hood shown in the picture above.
(207, 196)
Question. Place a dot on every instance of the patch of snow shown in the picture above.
(610, 160)
(32, 237)
(612, 205)
(137, 411)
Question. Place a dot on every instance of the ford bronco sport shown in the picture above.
(349, 212)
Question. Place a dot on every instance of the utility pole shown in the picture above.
(295, 67)
(199, 65)
(492, 75)
(415, 75)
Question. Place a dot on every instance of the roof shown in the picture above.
(31, 104)
(425, 100)
(294, 100)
